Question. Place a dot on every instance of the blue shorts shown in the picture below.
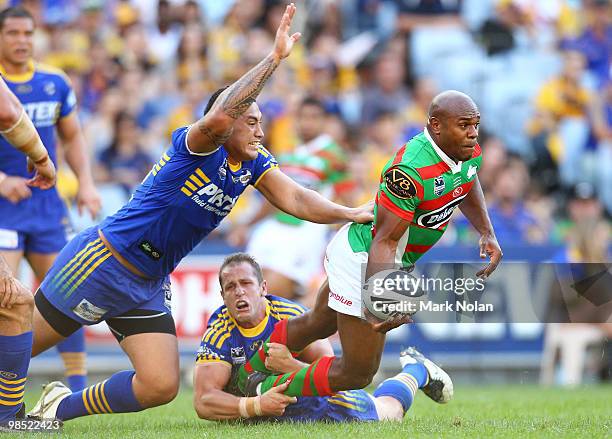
(36, 225)
(87, 284)
(347, 406)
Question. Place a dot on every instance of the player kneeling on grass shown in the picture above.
(238, 328)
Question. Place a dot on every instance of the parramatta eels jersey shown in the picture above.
(226, 341)
(46, 96)
(182, 199)
(422, 185)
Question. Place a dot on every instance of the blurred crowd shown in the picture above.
(539, 71)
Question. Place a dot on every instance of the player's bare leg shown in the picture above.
(15, 347)
(388, 408)
(297, 333)
(156, 362)
(44, 334)
(72, 349)
(12, 258)
(154, 381)
(18, 318)
(362, 349)
(319, 322)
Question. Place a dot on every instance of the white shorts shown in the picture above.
(343, 267)
(294, 251)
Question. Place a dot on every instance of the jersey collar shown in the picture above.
(18, 77)
(455, 167)
(257, 330)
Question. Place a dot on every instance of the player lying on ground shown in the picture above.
(419, 189)
(34, 222)
(237, 329)
(16, 302)
(118, 271)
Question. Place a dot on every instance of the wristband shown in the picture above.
(257, 405)
(242, 408)
(2, 177)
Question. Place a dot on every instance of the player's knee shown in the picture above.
(20, 315)
(164, 390)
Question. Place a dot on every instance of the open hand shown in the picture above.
(45, 175)
(273, 402)
(283, 43)
(489, 247)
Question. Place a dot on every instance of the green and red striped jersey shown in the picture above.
(320, 165)
(422, 185)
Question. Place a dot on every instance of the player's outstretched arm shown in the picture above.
(216, 126)
(211, 402)
(475, 210)
(290, 197)
(17, 128)
(390, 228)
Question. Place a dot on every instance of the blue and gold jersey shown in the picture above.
(47, 96)
(225, 341)
(182, 199)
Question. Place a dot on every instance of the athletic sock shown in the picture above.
(308, 381)
(404, 385)
(15, 352)
(115, 395)
(73, 354)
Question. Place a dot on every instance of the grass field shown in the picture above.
(483, 412)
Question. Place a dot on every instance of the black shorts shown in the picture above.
(137, 321)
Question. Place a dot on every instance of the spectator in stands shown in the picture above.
(601, 116)
(560, 128)
(124, 161)
(388, 92)
(418, 13)
(595, 43)
(513, 223)
(415, 115)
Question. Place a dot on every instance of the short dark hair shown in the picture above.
(14, 12)
(215, 95)
(239, 258)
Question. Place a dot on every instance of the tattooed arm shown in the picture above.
(216, 126)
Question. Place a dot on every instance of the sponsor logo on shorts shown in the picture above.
(340, 298)
(167, 296)
(8, 375)
(88, 311)
(457, 192)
